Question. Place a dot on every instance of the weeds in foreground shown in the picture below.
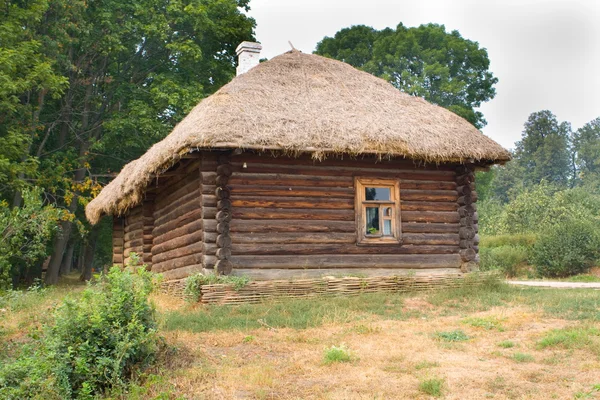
(433, 386)
(522, 357)
(487, 323)
(506, 344)
(426, 364)
(452, 336)
(572, 338)
(337, 354)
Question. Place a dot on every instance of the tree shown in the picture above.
(426, 61)
(586, 144)
(543, 151)
(124, 73)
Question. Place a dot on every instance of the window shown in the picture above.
(377, 211)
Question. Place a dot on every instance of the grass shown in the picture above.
(506, 344)
(572, 338)
(583, 278)
(522, 357)
(433, 386)
(488, 323)
(337, 354)
(452, 336)
(426, 365)
(296, 314)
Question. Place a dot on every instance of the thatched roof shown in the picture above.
(305, 103)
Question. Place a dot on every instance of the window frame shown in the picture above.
(361, 204)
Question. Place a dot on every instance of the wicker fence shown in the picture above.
(256, 291)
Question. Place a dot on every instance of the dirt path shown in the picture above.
(558, 285)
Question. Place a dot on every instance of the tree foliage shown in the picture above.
(86, 86)
(426, 61)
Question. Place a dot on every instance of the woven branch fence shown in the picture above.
(257, 291)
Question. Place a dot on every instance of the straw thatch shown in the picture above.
(305, 103)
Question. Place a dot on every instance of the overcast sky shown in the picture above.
(545, 53)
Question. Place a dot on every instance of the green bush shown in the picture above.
(568, 248)
(96, 343)
(504, 258)
(525, 240)
(194, 283)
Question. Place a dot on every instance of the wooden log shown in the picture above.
(414, 227)
(224, 204)
(427, 206)
(302, 237)
(223, 216)
(289, 180)
(161, 229)
(222, 192)
(466, 221)
(429, 216)
(465, 243)
(336, 248)
(465, 179)
(466, 233)
(283, 225)
(180, 273)
(223, 227)
(292, 191)
(179, 242)
(209, 261)
(178, 212)
(133, 226)
(209, 200)
(221, 180)
(209, 248)
(349, 261)
(223, 267)
(364, 161)
(295, 274)
(186, 229)
(309, 171)
(223, 240)
(208, 189)
(476, 239)
(193, 186)
(210, 225)
(210, 237)
(224, 169)
(209, 212)
(192, 259)
(175, 204)
(428, 195)
(137, 234)
(464, 189)
(209, 178)
(304, 214)
(223, 253)
(194, 248)
(467, 254)
(293, 202)
(465, 200)
(430, 238)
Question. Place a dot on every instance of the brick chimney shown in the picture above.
(248, 56)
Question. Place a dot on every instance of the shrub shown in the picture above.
(432, 387)
(25, 233)
(452, 336)
(522, 357)
(194, 283)
(504, 258)
(96, 343)
(524, 240)
(567, 249)
(337, 354)
(506, 344)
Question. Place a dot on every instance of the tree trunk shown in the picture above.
(67, 263)
(89, 253)
(58, 251)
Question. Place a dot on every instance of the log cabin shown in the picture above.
(303, 166)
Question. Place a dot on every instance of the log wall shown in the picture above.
(117, 241)
(297, 214)
(133, 238)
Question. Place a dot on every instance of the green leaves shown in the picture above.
(425, 61)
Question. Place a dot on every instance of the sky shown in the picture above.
(545, 53)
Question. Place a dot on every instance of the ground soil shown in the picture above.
(390, 359)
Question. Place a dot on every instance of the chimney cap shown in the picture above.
(252, 47)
